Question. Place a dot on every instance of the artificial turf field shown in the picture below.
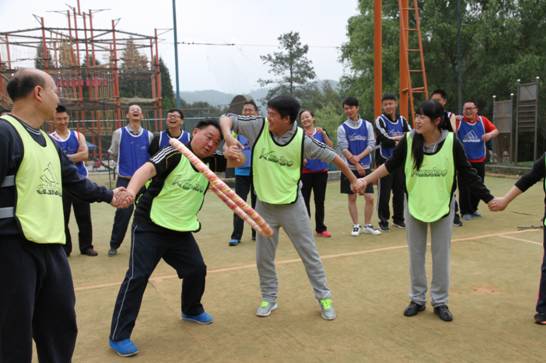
(495, 273)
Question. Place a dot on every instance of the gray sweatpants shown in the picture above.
(295, 221)
(416, 232)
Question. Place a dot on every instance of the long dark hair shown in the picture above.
(433, 110)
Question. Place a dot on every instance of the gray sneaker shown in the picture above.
(265, 308)
(327, 311)
(112, 252)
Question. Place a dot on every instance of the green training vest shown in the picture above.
(430, 188)
(276, 169)
(39, 205)
(180, 199)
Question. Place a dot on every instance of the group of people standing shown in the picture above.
(36, 174)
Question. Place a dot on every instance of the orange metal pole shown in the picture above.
(154, 95)
(404, 66)
(158, 78)
(378, 56)
(44, 47)
(116, 77)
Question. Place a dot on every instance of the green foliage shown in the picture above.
(289, 64)
(40, 58)
(167, 92)
(135, 75)
(502, 41)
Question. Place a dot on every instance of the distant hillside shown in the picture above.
(219, 98)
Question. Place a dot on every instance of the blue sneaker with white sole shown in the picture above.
(234, 242)
(204, 318)
(124, 348)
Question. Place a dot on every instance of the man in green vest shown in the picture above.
(163, 225)
(537, 173)
(279, 147)
(37, 298)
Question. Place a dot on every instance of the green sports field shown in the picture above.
(495, 271)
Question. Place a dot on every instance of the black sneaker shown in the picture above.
(90, 252)
(112, 252)
(443, 312)
(384, 226)
(540, 318)
(414, 309)
(457, 220)
(400, 225)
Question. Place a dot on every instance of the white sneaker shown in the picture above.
(356, 230)
(369, 229)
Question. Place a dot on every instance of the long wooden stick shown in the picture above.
(225, 193)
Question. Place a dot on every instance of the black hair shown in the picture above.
(60, 109)
(251, 102)
(350, 101)
(177, 110)
(285, 106)
(388, 96)
(433, 110)
(305, 110)
(440, 92)
(23, 83)
(471, 100)
(203, 124)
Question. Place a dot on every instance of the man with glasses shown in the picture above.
(474, 131)
(174, 121)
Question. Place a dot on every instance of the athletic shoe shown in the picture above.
(457, 221)
(369, 229)
(327, 311)
(414, 309)
(112, 252)
(443, 312)
(467, 217)
(234, 242)
(356, 230)
(476, 214)
(384, 226)
(204, 318)
(265, 308)
(540, 318)
(124, 348)
(400, 225)
(324, 234)
(90, 252)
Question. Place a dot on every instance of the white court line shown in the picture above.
(522, 240)
(324, 257)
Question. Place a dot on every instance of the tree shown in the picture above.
(499, 45)
(40, 59)
(290, 63)
(135, 74)
(167, 92)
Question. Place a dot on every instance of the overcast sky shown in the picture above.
(321, 24)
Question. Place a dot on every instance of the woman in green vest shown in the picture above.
(525, 182)
(429, 158)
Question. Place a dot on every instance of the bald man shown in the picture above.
(37, 296)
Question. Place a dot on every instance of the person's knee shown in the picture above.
(369, 197)
(352, 198)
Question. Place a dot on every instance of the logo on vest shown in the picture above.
(357, 138)
(429, 173)
(48, 183)
(471, 137)
(272, 157)
(185, 184)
